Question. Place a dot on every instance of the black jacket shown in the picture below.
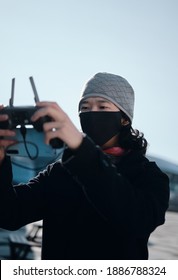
(90, 207)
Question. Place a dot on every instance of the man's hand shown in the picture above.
(61, 125)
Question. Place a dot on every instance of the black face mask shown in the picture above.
(101, 126)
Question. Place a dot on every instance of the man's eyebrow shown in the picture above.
(84, 101)
(103, 101)
(98, 100)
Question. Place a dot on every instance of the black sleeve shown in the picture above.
(20, 204)
(138, 204)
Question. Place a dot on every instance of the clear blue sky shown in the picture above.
(63, 43)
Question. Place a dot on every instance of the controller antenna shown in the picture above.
(36, 97)
(11, 100)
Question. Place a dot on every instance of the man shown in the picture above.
(103, 199)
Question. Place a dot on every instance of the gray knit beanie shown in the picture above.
(112, 87)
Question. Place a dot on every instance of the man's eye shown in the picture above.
(103, 107)
(83, 108)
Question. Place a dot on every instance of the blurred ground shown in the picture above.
(163, 243)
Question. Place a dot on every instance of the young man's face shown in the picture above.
(102, 127)
(101, 120)
(98, 104)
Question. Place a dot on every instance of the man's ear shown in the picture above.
(124, 122)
